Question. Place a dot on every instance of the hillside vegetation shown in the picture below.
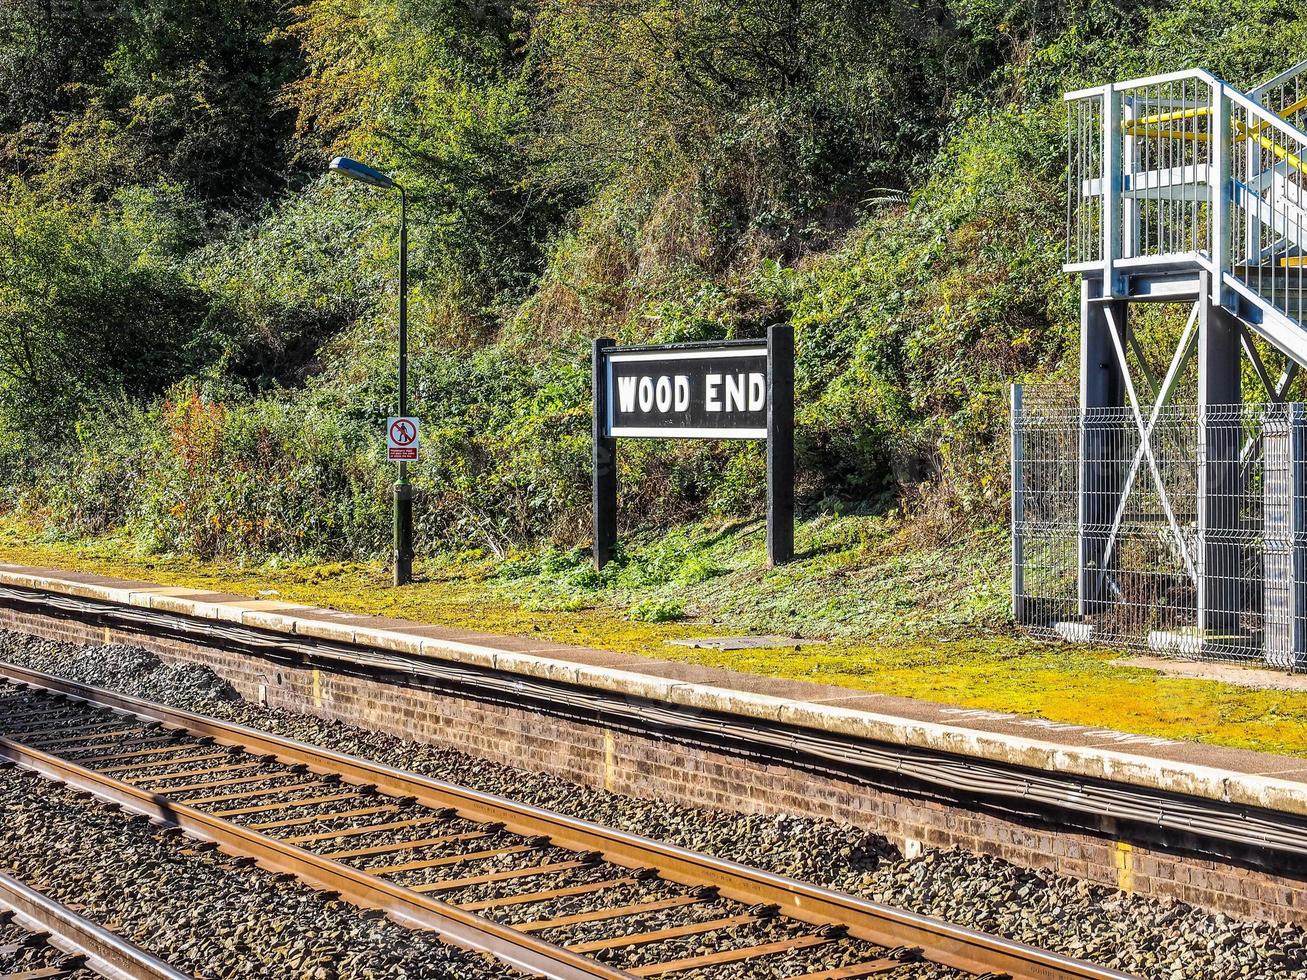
(197, 324)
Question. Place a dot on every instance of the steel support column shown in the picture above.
(1102, 385)
(1220, 436)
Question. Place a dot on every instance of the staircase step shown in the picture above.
(1283, 288)
(1282, 277)
(1292, 306)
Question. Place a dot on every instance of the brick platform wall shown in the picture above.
(1138, 860)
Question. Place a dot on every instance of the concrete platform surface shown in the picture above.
(1224, 774)
(1257, 677)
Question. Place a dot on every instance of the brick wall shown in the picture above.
(1139, 860)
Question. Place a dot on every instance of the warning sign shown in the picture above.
(402, 439)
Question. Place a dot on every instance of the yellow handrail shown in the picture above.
(1276, 150)
(1167, 117)
(1174, 134)
(1253, 133)
(1131, 126)
(1293, 107)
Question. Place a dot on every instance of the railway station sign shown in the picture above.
(402, 439)
(740, 389)
(690, 392)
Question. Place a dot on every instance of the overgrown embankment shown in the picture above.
(197, 326)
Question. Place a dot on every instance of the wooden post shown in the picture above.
(780, 444)
(604, 463)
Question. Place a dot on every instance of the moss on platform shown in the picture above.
(901, 615)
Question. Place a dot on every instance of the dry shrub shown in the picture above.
(931, 519)
(587, 290)
(674, 233)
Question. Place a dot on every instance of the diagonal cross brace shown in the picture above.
(1275, 390)
(1145, 451)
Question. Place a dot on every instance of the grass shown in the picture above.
(901, 614)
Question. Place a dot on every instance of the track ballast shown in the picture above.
(546, 893)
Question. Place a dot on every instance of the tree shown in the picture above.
(91, 308)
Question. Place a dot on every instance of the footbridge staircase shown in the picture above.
(1181, 177)
(1182, 189)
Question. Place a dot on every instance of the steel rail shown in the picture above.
(455, 926)
(460, 928)
(1216, 826)
(942, 942)
(107, 954)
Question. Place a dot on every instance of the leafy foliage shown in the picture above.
(203, 324)
(92, 310)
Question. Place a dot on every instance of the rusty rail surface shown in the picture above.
(830, 913)
(108, 955)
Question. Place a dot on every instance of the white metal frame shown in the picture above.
(1120, 186)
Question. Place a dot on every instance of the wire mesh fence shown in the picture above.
(1178, 531)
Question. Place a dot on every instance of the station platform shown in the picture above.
(1214, 772)
(1223, 828)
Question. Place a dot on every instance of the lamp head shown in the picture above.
(364, 174)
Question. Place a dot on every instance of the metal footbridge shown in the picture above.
(1182, 177)
(1160, 512)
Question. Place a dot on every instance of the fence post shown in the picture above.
(1018, 509)
(1284, 538)
(1298, 531)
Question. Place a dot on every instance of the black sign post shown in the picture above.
(604, 493)
(780, 444)
(741, 389)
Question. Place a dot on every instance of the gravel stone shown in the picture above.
(202, 911)
(1154, 939)
(23, 952)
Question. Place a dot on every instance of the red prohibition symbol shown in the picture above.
(402, 432)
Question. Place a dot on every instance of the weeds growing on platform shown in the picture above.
(899, 616)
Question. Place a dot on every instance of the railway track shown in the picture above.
(41, 939)
(547, 894)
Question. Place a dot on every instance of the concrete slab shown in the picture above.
(384, 639)
(218, 598)
(443, 633)
(1254, 676)
(745, 643)
(271, 614)
(584, 656)
(671, 671)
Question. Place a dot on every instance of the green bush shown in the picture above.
(197, 328)
(657, 611)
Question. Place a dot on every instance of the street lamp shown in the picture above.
(403, 491)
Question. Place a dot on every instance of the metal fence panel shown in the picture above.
(1186, 535)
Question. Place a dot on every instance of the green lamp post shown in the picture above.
(403, 489)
